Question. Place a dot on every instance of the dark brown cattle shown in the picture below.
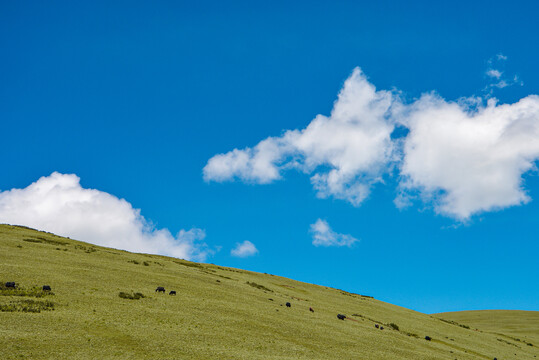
(311, 309)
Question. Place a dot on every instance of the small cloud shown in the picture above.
(493, 73)
(324, 236)
(403, 199)
(501, 84)
(500, 80)
(244, 249)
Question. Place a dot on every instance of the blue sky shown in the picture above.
(135, 99)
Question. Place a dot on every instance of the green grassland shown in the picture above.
(218, 313)
(522, 326)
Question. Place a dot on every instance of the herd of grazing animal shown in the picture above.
(13, 285)
(161, 289)
(343, 317)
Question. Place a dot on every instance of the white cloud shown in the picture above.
(493, 73)
(346, 153)
(501, 81)
(259, 165)
(466, 162)
(462, 157)
(244, 249)
(324, 236)
(59, 204)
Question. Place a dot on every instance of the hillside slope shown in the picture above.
(522, 325)
(218, 313)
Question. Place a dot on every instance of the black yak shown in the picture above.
(160, 289)
(341, 316)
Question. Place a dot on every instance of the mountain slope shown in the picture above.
(218, 313)
(515, 324)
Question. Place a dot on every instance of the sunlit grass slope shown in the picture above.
(218, 313)
(512, 324)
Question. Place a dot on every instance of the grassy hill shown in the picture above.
(522, 326)
(218, 313)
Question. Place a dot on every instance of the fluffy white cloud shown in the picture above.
(324, 236)
(346, 152)
(244, 249)
(467, 161)
(59, 204)
(463, 157)
(259, 164)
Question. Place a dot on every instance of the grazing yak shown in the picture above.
(428, 338)
(172, 292)
(311, 309)
(377, 326)
(288, 304)
(10, 284)
(160, 289)
(46, 288)
(341, 316)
